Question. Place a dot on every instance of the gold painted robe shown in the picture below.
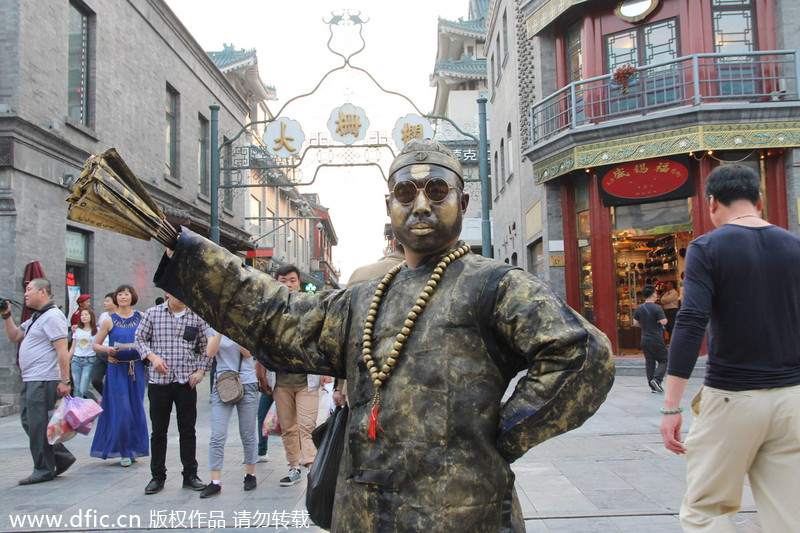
(441, 460)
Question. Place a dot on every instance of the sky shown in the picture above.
(290, 39)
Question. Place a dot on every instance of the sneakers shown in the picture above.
(292, 479)
(263, 458)
(250, 482)
(210, 490)
(656, 386)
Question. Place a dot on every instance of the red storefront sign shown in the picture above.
(645, 181)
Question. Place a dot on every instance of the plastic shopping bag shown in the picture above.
(271, 425)
(321, 487)
(58, 430)
(80, 413)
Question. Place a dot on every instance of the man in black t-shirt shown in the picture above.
(742, 291)
(650, 317)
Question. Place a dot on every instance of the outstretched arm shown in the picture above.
(291, 331)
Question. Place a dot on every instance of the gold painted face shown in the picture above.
(429, 219)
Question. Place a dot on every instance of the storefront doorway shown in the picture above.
(650, 259)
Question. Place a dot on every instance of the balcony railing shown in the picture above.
(694, 80)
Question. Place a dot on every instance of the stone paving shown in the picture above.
(611, 475)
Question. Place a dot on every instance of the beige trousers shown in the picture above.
(297, 413)
(754, 433)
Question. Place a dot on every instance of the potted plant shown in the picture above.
(622, 76)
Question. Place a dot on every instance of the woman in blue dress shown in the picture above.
(121, 430)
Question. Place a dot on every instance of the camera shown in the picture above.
(3, 305)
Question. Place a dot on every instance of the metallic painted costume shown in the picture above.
(441, 462)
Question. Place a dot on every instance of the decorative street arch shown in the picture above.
(282, 149)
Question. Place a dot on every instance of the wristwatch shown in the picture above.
(67, 383)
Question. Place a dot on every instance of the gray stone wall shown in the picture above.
(9, 55)
(139, 48)
(507, 209)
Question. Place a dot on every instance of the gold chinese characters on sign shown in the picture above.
(348, 124)
(411, 127)
(283, 137)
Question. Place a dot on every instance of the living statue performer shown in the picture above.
(428, 351)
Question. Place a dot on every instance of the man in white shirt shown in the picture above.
(44, 364)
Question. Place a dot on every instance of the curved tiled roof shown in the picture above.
(475, 27)
(469, 28)
(229, 57)
(462, 68)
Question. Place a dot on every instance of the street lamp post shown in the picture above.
(483, 173)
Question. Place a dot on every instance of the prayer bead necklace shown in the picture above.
(379, 376)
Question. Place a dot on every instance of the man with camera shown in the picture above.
(44, 365)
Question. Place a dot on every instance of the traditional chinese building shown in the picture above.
(515, 198)
(285, 225)
(632, 104)
(460, 78)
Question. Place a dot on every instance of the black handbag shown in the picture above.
(321, 487)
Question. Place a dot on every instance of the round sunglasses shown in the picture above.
(435, 189)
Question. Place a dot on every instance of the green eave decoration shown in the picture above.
(669, 142)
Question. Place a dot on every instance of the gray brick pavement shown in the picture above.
(611, 475)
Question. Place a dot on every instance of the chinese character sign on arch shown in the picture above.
(348, 124)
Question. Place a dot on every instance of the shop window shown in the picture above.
(536, 259)
(584, 230)
(80, 55)
(77, 256)
(656, 217)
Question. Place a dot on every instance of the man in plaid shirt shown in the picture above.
(173, 339)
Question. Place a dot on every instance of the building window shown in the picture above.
(511, 155)
(171, 109)
(227, 197)
(496, 173)
(536, 259)
(505, 33)
(202, 156)
(499, 58)
(574, 61)
(502, 160)
(256, 226)
(644, 45)
(734, 26)
(79, 56)
(491, 72)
